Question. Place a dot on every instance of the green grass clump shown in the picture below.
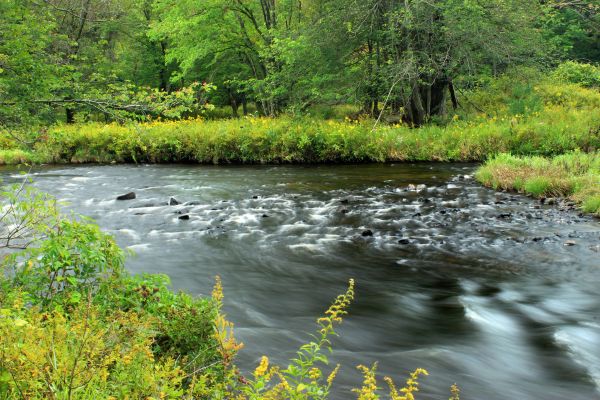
(574, 175)
(16, 156)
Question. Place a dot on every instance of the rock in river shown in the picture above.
(128, 196)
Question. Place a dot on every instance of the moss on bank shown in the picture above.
(573, 175)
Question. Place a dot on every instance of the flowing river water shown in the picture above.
(489, 290)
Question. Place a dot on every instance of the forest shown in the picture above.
(100, 60)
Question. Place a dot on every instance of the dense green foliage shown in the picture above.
(109, 60)
(74, 324)
(574, 175)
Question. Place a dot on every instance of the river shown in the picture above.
(490, 290)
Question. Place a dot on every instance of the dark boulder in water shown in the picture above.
(173, 202)
(184, 217)
(128, 196)
(367, 233)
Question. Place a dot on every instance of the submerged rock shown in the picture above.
(128, 196)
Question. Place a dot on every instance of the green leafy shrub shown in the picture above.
(586, 75)
(67, 267)
(89, 329)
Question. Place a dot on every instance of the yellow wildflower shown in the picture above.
(262, 367)
(217, 293)
(314, 373)
(368, 391)
(332, 375)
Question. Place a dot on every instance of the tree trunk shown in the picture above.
(245, 105)
(163, 73)
(453, 95)
(70, 114)
(438, 97)
(234, 106)
(417, 111)
(427, 101)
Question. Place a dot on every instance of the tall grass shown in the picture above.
(287, 140)
(574, 175)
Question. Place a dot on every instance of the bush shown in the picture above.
(586, 75)
(74, 324)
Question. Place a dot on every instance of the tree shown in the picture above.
(411, 51)
(572, 27)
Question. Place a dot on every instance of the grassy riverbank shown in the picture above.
(573, 175)
(555, 119)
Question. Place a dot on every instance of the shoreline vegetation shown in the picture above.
(572, 176)
(551, 119)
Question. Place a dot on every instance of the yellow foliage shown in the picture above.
(368, 391)
(50, 355)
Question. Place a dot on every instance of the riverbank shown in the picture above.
(566, 120)
(573, 176)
